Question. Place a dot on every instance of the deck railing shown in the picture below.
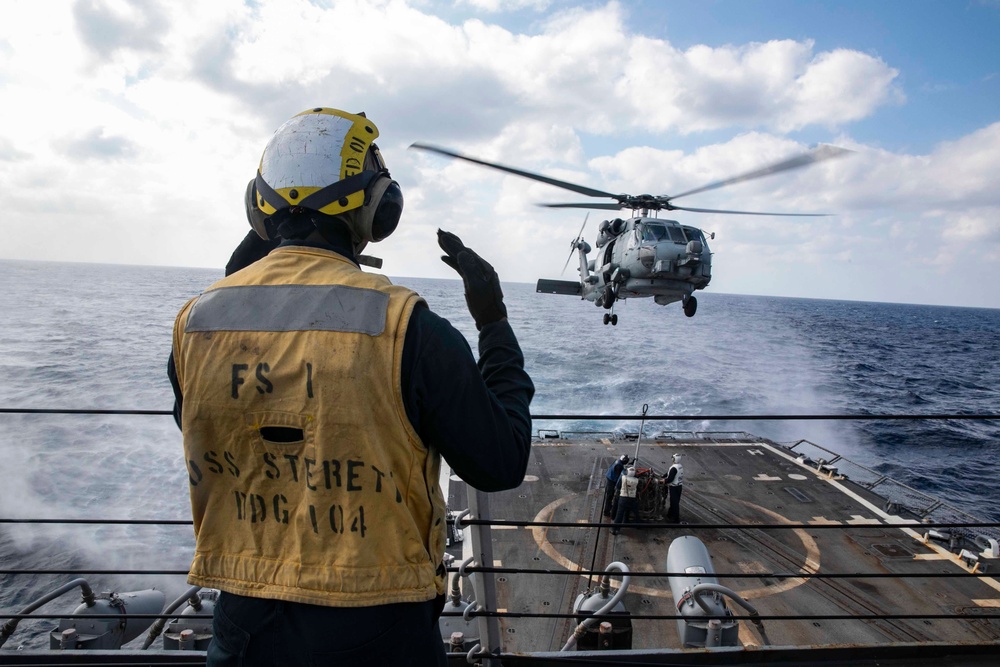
(927, 513)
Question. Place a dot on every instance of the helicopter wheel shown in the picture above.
(614, 320)
(607, 318)
(609, 297)
(690, 306)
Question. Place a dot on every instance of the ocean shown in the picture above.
(87, 336)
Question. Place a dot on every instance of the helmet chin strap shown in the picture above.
(368, 260)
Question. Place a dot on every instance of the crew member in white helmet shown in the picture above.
(628, 503)
(675, 480)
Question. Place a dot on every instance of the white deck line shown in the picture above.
(888, 518)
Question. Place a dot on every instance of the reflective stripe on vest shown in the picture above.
(290, 308)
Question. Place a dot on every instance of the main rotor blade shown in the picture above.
(580, 189)
(603, 207)
(715, 210)
(824, 152)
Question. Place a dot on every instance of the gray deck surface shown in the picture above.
(731, 483)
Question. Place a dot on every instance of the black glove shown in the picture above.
(482, 285)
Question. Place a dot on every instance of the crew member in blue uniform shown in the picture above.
(309, 391)
(611, 480)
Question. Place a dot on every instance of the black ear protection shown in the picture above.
(383, 202)
(258, 220)
(382, 210)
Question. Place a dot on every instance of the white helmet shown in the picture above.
(324, 160)
(631, 471)
(677, 458)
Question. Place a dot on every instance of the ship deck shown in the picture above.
(839, 574)
(913, 591)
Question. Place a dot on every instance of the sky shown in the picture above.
(129, 130)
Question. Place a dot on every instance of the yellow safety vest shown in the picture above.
(308, 482)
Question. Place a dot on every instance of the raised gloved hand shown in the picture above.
(482, 285)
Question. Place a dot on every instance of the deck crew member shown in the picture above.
(316, 401)
(675, 485)
(611, 482)
(628, 502)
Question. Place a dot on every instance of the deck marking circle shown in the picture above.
(540, 533)
(811, 564)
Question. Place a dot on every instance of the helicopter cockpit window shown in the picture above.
(676, 235)
(694, 234)
(654, 232)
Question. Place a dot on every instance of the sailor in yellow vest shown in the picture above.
(316, 401)
(628, 503)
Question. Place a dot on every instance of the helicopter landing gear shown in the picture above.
(608, 298)
(611, 318)
(690, 306)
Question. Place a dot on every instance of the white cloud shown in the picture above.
(779, 85)
(98, 144)
(107, 26)
(496, 6)
(838, 87)
(961, 172)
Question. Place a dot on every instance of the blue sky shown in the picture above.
(129, 129)
(946, 52)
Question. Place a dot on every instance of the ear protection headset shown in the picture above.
(382, 208)
(258, 221)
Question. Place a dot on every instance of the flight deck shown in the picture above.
(826, 561)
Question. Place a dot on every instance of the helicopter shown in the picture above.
(644, 255)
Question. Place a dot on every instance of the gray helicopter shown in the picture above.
(644, 255)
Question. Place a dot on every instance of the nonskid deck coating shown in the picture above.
(727, 483)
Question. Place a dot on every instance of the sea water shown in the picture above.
(86, 336)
